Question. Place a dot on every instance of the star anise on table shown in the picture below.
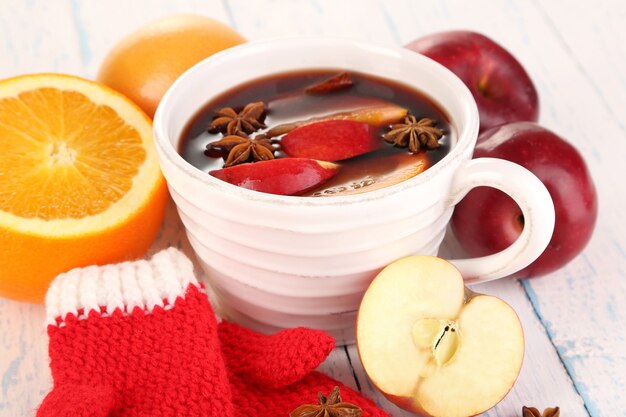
(533, 412)
(231, 122)
(416, 134)
(243, 149)
(331, 406)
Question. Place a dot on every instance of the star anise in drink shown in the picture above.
(414, 134)
(241, 149)
(231, 122)
(331, 406)
(533, 412)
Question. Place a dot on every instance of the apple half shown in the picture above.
(432, 346)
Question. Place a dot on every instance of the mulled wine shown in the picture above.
(317, 133)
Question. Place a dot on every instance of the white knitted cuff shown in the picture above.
(144, 284)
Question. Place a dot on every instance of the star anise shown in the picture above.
(533, 412)
(332, 406)
(243, 149)
(230, 122)
(416, 134)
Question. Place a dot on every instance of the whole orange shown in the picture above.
(144, 65)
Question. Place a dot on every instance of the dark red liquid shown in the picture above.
(286, 102)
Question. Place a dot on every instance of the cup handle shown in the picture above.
(531, 196)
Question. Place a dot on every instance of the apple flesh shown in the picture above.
(501, 87)
(364, 176)
(333, 140)
(487, 220)
(433, 347)
(289, 176)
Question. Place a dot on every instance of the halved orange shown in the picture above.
(79, 180)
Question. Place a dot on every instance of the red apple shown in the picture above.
(332, 140)
(487, 220)
(287, 176)
(501, 87)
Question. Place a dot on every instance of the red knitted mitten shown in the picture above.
(137, 339)
(273, 375)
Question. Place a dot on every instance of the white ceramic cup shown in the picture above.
(278, 261)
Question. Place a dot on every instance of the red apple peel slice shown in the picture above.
(376, 116)
(287, 176)
(332, 140)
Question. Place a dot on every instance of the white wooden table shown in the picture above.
(575, 319)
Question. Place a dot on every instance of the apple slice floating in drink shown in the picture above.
(364, 176)
(377, 115)
(332, 140)
(289, 176)
(434, 347)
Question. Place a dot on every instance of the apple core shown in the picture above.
(437, 338)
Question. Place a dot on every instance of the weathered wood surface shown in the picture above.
(574, 319)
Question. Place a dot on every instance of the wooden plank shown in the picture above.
(352, 19)
(24, 373)
(594, 38)
(337, 366)
(101, 24)
(585, 329)
(38, 36)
